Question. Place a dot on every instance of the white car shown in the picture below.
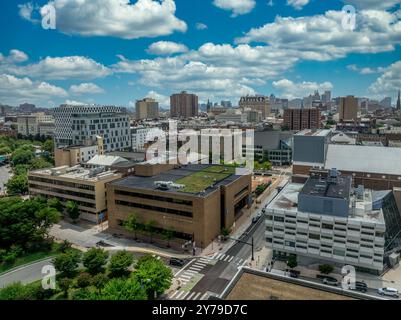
(390, 292)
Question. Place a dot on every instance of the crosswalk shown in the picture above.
(188, 295)
(186, 275)
(229, 259)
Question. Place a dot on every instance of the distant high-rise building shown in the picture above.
(147, 109)
(27, 108)
(348, 108)
(257, 103)
(184, 105)
(301, 119)
(80, 125)
(226, 104)
(399, 101)
(326, 97)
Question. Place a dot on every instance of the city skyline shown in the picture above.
(219, 50)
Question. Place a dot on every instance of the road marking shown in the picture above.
(185, 276)
(183, 297)
(174, 294)
(218, 257)
(239, 262)
(181, 293)
(192, 272)
(231, 259)
(228, 257)
(197, 296)
(189, 298)
(205, 260)
(198, 266)
(204, 296)
(243, 263)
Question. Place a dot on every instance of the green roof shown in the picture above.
(201, 180)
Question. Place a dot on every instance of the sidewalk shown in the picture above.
(242, 223)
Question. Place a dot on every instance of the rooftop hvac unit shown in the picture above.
(167, 185)
(95, 171)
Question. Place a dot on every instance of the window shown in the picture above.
(338, 252)
(314, 236)
(278, 219)
(327, 226)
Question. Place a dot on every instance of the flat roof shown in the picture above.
(355, 158)
(76, 173)
(323, 188)
(314, 133)
(256, 285)
(196, 179)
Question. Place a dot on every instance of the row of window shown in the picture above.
(154, 208)
(153, 197)
(62, 183)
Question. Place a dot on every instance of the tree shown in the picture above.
(14, 291)
(168, 235)
(121, 289)
(67, 263)
(65, 284)
(48, 146)
(132, 225)
(65, 246)
(5, 150)
(18, 184)
(94, 260)
(150, 229)
(119, 263)
(72, 210)
(40, 163)
(99, 281)
(84, 280)
(225, 232)
(326, 268)
(55, 203)
(292, 261)
(22, 155)
(153, 275)
(24, 223)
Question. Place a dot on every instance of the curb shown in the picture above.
(2, 274)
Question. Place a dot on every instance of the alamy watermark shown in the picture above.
(49, 17)
(348, 21)
(207, 146)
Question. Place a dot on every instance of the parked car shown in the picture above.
(360, 286)
(390, 292)
(294, 274)
(330, 281)
(176, 262)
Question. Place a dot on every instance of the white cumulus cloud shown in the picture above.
(238, 7)
(291, 90)
(166, 48)
(115, 18)
(389, 82)
(85, 88)
(297, 4)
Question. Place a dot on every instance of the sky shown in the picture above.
(118, 51)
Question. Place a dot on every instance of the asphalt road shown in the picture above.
(218, 276)
(24, 274)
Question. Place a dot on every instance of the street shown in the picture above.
(209, 276)
(24, 274)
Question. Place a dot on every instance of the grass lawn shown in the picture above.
(31, 257)
(201, 180)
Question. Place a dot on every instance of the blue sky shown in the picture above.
(117, 51)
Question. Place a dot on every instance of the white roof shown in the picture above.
(355, 158)
(103, 160)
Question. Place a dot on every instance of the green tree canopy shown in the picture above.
(326, 268)
(67, 263)
(119, 263)
(132, 225)
(153, 275)
(72, 210)
(18, 184)
(292, 261)
(94, 260)
(24, 222)
(22, 155)
(121, 289)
